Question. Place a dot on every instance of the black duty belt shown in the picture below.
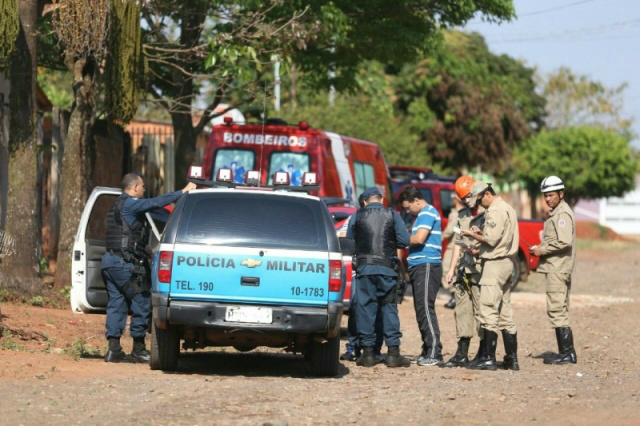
(368, 259)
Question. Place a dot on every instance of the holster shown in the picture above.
(138, 283)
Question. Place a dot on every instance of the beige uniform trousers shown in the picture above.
(467, 311)
(495, 296)
(446, 263)
(558, 291)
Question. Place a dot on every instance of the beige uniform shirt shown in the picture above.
(558, 246)
(452, 220)
(466, 220)
(500, 231)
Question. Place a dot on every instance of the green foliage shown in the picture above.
(8, 343)
(9, 29)
(126, 66)
(469, 106)
(37, 301)
(593, 162)
(65, 292)
(80, 349)
(392, 32)
(57, 85)
(576, 100)
(357, 117)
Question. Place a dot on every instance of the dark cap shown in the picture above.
(371, 192)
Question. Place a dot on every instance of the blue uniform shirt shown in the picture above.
(132, 208)
(402, 240)
(431, 250)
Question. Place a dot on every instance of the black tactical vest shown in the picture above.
(375, 236)
(123, 240)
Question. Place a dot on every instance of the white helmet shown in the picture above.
(551, 183)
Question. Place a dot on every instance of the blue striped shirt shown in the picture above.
(431, 251)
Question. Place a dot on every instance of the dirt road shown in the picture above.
(41, 383)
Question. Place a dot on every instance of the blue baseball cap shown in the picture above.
(371, 192)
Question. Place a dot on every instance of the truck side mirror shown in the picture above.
(347, 246)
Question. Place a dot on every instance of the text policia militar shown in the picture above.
(272, 265)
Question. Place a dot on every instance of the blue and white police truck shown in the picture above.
(248, 266)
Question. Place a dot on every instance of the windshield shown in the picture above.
(239, 161)
(294, 163)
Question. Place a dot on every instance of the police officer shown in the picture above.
(354, 350)
(465, 271)
(557, 261)
(498, 247)
(425, 270)
(123, 267)
(378, 232)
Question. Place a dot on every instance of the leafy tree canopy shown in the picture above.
(469, 106)
(577, 100)
(593, 162)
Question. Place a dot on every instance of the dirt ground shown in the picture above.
(42, 383)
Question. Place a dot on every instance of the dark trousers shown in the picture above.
(115, 275)
(370, 291)
(353, 344)
(425, 280)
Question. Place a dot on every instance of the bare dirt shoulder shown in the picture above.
(41, 381)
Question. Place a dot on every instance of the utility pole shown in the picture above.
(276, 74)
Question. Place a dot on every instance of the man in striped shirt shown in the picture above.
(425, 270)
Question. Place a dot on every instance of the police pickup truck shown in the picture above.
(244, 266)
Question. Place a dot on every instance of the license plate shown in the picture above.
(249, 314)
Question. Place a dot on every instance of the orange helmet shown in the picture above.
(463, 186)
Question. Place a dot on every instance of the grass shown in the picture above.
(8, 343)
(596, 244)
(80, 349)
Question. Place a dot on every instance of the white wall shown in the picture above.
(622, 214)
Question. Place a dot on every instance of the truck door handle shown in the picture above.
(76, 255)
(251, 281)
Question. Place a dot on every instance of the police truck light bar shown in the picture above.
(252, 178)
(281, 178)
(309, 179)
(195, 172)
(224, 175)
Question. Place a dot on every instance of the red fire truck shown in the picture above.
(347, 165)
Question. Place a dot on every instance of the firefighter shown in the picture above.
(464, 272)
(557, 253)
(499, 240)
(123, 266)
(378, 232)
(448, 235)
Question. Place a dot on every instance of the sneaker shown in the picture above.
(424, 361)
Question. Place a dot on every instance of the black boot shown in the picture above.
(451, 304)
(368, 358)
(394, 359)
(478, 354)
(115, 352)
(567, 352)
(487, 360)
(139, 353)
(511, 351)
(461, 357)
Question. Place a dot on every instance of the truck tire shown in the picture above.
(165, 348)
(325, 357)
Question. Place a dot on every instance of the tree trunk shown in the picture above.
(76, 165)
(21, 220)
(185, 146)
